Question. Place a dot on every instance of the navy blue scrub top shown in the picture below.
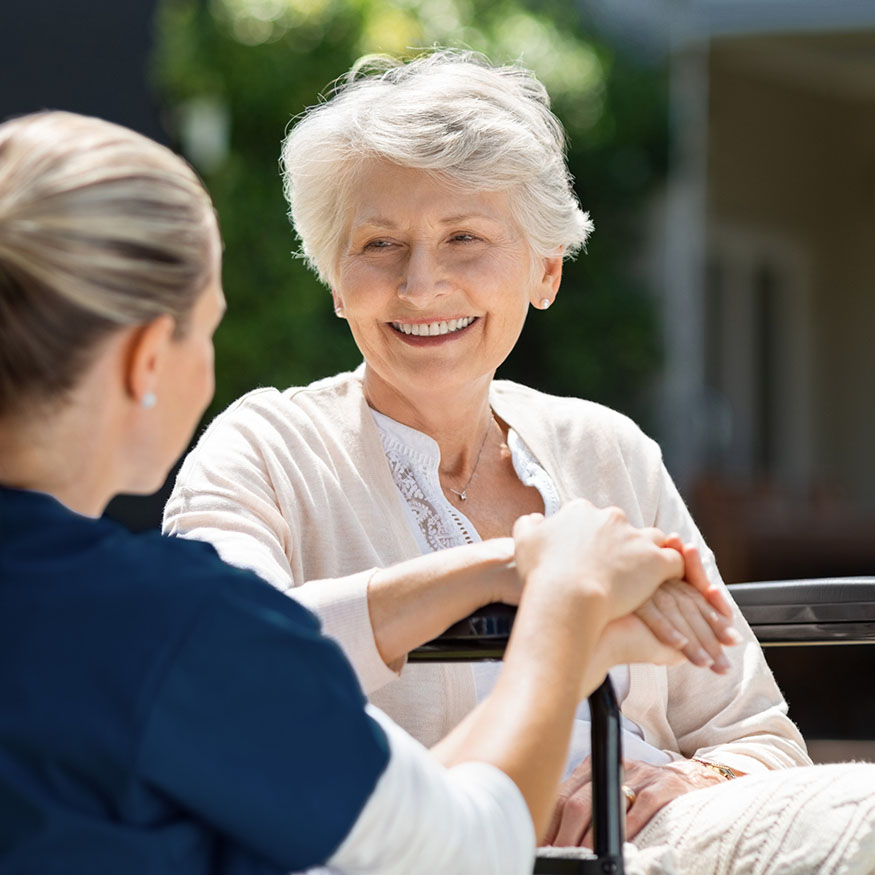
(163, 712)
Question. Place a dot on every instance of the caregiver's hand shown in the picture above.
(693, 614)
(593, 550)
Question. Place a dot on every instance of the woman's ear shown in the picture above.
(147, 353)
(546, 285)
(338, 305)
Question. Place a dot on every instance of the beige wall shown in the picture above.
(794, 161)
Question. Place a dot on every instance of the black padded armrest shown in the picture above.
(482, 635)
(838, 610)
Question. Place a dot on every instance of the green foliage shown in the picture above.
(264, 61)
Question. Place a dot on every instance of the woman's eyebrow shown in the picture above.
(384, 222)
(466, 217)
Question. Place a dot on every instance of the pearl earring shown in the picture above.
(148, 401)
(544, 303)
(338, 311)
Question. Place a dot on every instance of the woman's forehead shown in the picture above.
(385, 194)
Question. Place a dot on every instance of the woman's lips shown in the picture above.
(433, 329)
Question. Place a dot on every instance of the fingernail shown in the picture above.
(721, 664)
(734, 635)
(679, 640)
(700, 657)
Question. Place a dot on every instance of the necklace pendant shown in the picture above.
(464, 495)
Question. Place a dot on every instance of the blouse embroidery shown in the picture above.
(414, 458)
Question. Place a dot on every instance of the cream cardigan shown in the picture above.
(295, 486)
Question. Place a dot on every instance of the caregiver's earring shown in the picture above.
(148, 401)
(544, 303)
(338, 309)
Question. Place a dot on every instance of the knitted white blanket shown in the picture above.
(817, 820)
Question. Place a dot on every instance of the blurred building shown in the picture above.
(764, 252)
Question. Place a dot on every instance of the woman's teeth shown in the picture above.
(432, 329)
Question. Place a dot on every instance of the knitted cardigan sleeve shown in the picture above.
(253, 490)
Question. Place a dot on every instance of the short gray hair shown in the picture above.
(448, 112)
(100, 228)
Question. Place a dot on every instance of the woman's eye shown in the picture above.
(378, 244)
(463, 238)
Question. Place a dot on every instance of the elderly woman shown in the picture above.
(163, 712)
(433, 199)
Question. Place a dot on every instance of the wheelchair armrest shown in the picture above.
(821, 611)
(481, 636)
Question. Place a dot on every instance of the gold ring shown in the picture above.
(630, 795)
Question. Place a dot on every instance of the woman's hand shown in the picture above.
(652, 786)
(692, 615)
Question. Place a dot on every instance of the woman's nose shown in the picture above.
(422, 279)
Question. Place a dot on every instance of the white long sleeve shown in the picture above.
(425, 818)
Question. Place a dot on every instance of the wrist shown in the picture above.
(500, 579)
(724, 771)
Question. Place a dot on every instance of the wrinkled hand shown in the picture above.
(692, 615)
(654, 787)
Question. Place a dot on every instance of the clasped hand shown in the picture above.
(642, 573)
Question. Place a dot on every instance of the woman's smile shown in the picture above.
(439, 328)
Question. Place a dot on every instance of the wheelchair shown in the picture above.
(781, 613)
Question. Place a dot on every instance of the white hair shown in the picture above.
(450, 113)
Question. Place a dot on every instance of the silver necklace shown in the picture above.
(463, 495)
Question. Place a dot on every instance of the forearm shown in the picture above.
(469, 819)
(524, 726)
(414, 601)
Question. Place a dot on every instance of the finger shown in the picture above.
(649, 800)
(674, 542)
(579, 777)
(669, 601)
(526, 523)
(704, 634)
(656, 535)
(553, 827)
(576, 818)
(587, 840)
(720, 626)
(674, 563)
(697, 577)
(650, 614)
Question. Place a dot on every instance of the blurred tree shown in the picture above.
(234, 72)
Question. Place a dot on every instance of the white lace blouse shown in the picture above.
(436, 524)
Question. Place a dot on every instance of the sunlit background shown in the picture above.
(726, 151)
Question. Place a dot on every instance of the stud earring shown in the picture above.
(148, 401)
(544, 303)
(338, 311)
